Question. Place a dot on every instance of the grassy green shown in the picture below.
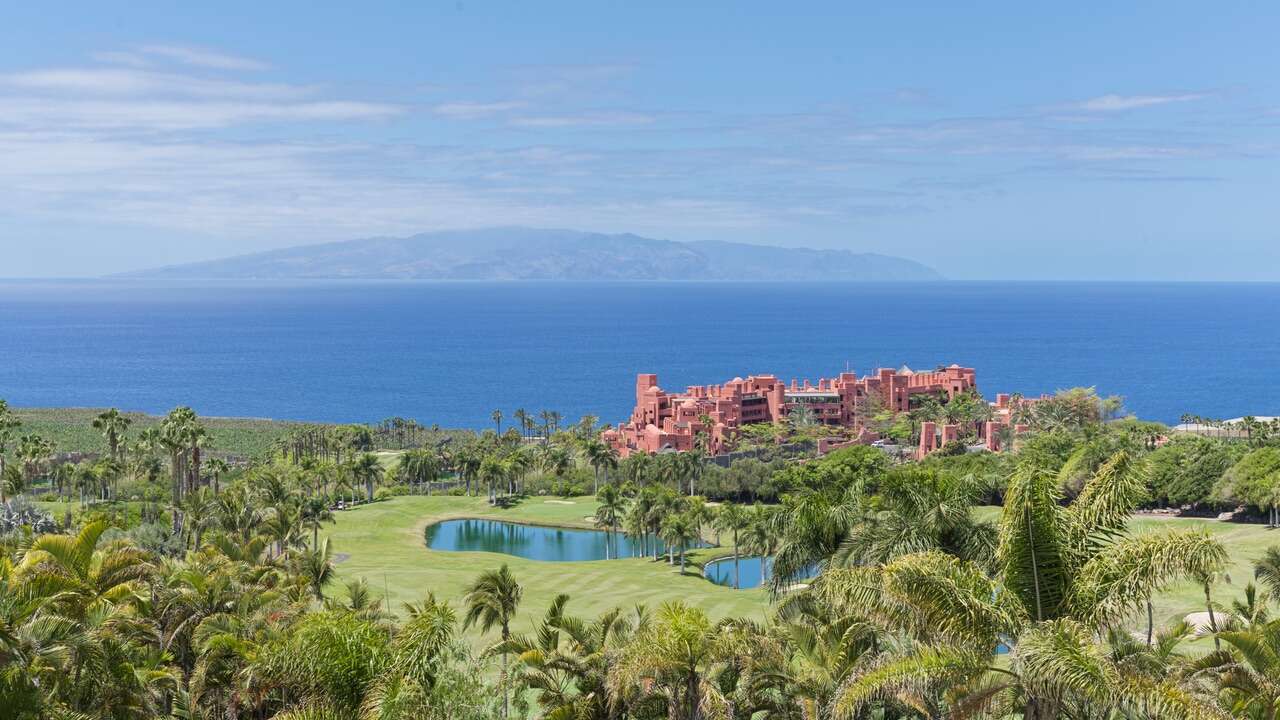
(1245, 543)
(71, 429)
(384, 543)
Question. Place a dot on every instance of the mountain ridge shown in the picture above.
(518, 253)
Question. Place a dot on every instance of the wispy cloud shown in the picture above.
(200, 57)
(544, 80)
(145, 99)
(171, 115)
(1116, 103)
(118, 57)
(467, 110)
(585, 119)
(98, 81)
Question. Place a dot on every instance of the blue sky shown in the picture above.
(992, 141)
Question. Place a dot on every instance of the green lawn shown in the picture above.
(384, 543)
(1245, 543)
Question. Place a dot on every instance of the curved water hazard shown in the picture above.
(750, 571)
(535, 542)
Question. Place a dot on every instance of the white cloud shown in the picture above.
(1114, 103)
(203, 58)
(466, 110)
(120, 58)
(128, 98)
(173, 115)
(134, 82)
(590, 119)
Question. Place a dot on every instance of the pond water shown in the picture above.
(720, 572)
(534, 542)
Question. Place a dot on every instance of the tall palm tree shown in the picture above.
(496, 416)
(366, 468)
(679, 530)
(492, 600)
(418, 468)
(8, 424)
(315, 512)
(113, 425)
(493, 472)
(34, 452)
(521, 416)
(609, 512)
(198, 509)
(602, 457)
(761, 537)
(732, 519)
(1062, 576)
(217, 468)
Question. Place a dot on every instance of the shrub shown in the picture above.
(18, 513)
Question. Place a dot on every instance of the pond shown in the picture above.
(720, 571)
(534, 542)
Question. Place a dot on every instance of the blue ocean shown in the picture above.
(451, 353)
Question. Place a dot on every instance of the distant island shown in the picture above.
(517, 253)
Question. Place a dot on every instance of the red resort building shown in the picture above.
(665, 421)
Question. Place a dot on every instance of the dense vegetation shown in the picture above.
(184, 587)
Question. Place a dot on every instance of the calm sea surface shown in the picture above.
(450, 353)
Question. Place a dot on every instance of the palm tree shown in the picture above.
(609, 512)
(1248, 674)
(679, 529)
(492, 600)
(602, 457)
(1266, 570)
(315, 512)
(494, 473)
(565, 660)
(198, 511)
(8, 423)
(418, 468)
(316, 567)
(732, 519)
(919, 509)
(1062, 576)
(33, 452)
(761, 537)
(366, 468)
(89, 577)
(418, 655)
(217, 468)
(113, 426)
(496, 416)
(522, 419)
(671, 658)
